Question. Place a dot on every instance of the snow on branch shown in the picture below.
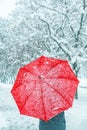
(81, 20)
(57, 41)
(49, 8)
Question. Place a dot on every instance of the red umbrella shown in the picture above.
(44, 88)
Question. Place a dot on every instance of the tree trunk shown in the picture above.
(76, 69)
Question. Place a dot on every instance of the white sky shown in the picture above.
(6, 6)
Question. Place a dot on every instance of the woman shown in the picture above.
(56, 123)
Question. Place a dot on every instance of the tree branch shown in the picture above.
(81, 21)
(49, 8)
(56, 40)
(66, 16)
(76, 35)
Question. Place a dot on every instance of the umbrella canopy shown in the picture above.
(44, 87)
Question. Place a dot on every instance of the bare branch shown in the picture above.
(81, 20)
(84, 4)
(67, 17)
(47, 26)
(49, 8)
(56, 40)
(76, 35)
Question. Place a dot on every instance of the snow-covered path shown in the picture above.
(77, 116)
(10, 118)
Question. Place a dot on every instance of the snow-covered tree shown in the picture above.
(56, 28)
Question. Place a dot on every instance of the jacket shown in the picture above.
(56, 123)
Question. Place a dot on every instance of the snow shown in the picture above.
(77, 116)
(10, 118)
(6, 7)
(83, 82)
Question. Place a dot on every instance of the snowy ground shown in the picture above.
(10, 118)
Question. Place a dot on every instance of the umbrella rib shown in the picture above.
(58, 93)
(27, 97)
(41, 99)
(24, 103)
(56, 66)
(43, 103)
(63, 78)
(28, 72)
(22, 84)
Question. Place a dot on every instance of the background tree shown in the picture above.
(56, 28)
